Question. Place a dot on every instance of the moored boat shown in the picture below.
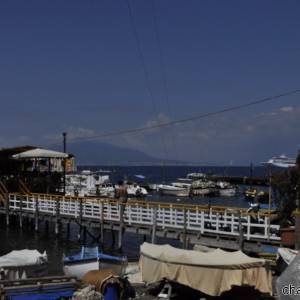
(91, 259)
(172, 190)
(226, 189)
(23, 264)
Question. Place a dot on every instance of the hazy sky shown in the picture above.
(74, 66)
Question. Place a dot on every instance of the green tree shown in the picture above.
(285, 187)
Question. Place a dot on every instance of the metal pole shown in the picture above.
(64, 161)
(297, 221)
(270, 191)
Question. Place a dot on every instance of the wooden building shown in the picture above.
(32, 169)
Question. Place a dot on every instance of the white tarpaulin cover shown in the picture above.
(211, 273)
(24, 257)
(287, 254)
(40, 153)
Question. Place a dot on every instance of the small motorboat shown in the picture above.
(91, 259)
(284, 257)
(226, 189)
(254, 195)
(172, 190)
(134, 190)
(23, 264)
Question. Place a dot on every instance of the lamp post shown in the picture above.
(64, 161)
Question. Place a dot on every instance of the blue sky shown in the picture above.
(74, 66)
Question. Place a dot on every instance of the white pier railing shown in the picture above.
(193, 218)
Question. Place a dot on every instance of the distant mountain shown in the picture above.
(98, 153)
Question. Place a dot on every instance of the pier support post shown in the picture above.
(184, 235)
(21, 213)
(80, 219)
(36, 216)
(68, 229)
(121, 226)
(7, 209)
(153, 233)
(57, 217)
(101, 224)
(297, 219)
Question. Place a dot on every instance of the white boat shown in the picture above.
(153, 187)
(105, 190)
(203, 187)
(85, 183)
(226, 189)
(91, 259)
(134, 190)
(21, 264)
(183, 183)
(227, 192)
(201, 191)
(196, 176)
(281, 161)
(172, 190)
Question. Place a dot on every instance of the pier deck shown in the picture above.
(224, 227)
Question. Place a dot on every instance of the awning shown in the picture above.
(40, 153)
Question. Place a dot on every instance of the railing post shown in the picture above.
(202, 216)
(121, 224)
(7, 208)
(184, 236)
(80, 218)
(36, 217)
(101, 223)
(153, 233)
(241, 232)
(57, 208)
(20, 212)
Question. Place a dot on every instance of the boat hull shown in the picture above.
(203, 192)
(177, 193)
(80, 269)
(227, 192)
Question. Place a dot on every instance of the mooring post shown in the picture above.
(36, 216)
(241, 232)
(121, 225)
(68, 229)
(20, 212)
(57, 217)
(153, 234)
(101, 224)
(80, 219)
(184, 235)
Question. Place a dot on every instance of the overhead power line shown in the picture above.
(190, 119)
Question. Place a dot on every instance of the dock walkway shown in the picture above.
(214, 226)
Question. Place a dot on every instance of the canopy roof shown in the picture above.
(40, 153)
(209, 272)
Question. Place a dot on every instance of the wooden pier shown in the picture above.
(230, 228)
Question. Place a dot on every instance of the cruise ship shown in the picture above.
(281, 161)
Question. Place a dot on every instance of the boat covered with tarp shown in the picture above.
(211, 272)
(24, 263)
